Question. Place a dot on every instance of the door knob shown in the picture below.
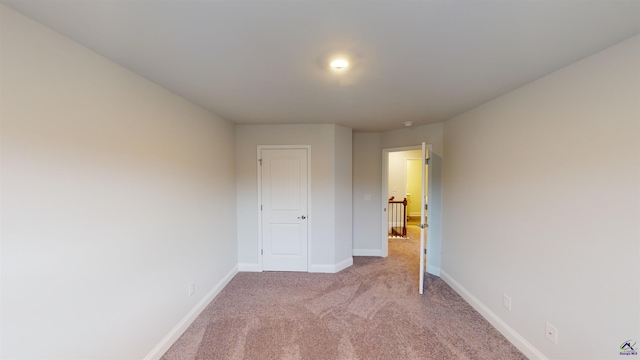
(302, 217)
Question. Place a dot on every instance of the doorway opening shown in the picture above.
(406, 179)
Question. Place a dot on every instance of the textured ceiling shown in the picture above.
(262, 62)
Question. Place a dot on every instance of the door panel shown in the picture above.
(285, 180)
(285, 239)
(284, 209)
(423, 220)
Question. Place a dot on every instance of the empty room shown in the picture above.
(319, 179)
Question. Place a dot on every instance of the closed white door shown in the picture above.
(284, 177)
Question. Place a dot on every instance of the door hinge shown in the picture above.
(260, 161)
(260, 207)
(426, 161)
(262, 252)
(426, 206)
(425, 251)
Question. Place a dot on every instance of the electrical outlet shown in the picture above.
(192, 288)
(552, 333)
(506, 302)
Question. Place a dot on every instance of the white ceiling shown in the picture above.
(261, 62)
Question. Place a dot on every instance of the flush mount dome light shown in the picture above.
(339, 64)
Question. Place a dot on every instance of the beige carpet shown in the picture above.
(371, 310)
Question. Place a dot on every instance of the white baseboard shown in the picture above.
(331, 268)
(518, 341)
(344, 264)
(367, 252)
(182, 326)
(249, 267)
(324, 268)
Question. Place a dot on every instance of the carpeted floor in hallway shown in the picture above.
(371, 310)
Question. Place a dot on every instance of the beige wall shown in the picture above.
(542, 202)
(327, 173)
(116, 195)
(399, 176)
(414, 182)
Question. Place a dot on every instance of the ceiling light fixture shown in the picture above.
(339, 64)
(408, 123)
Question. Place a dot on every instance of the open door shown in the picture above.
(429, 245)
(423, 218)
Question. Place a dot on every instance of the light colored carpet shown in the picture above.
(371, 310)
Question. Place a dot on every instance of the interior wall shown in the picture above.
(116, 195)
(414, 185)
(367, 194)
(322, 212)
(344, 196)
(543, 204)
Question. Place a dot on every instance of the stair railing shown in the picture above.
(397, 217)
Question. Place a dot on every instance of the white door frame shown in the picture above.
(385, 194)
(423, 218)
(259, 211)
(384, 239)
